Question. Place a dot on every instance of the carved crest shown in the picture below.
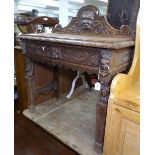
(89, 22)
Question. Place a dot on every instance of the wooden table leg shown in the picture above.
(30, 80)
(101, 112)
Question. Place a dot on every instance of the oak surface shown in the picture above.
(71, 121)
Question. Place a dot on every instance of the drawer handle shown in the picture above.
(43, 48)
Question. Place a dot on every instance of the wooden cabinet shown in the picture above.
(123, 116)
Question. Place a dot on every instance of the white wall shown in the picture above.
(52, 8)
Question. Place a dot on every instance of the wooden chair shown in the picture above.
(23, 24)
(42, 21)
(29, 24)
(123, 116)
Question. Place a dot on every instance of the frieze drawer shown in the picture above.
(77, 55)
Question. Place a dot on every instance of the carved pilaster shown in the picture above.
(30, 80)
(101, 108)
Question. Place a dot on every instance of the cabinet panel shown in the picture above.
(131, 144)
(128, 143)
(122, 131)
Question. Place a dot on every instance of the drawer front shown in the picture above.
(74, 55)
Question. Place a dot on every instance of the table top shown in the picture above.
(113, 42)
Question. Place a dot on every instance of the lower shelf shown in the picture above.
(72, 121)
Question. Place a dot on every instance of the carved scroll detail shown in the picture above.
(89, 22)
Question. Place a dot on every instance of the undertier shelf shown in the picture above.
(72, 121)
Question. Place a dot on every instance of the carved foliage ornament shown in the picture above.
(89, 22)
(105, 91)
(75, 55)
(104, 67)
(29, 68)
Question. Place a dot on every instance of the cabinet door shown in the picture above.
(131, 139)
(122, 131)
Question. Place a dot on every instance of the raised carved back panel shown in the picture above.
(89, 22)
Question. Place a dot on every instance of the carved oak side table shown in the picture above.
(88, 44)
